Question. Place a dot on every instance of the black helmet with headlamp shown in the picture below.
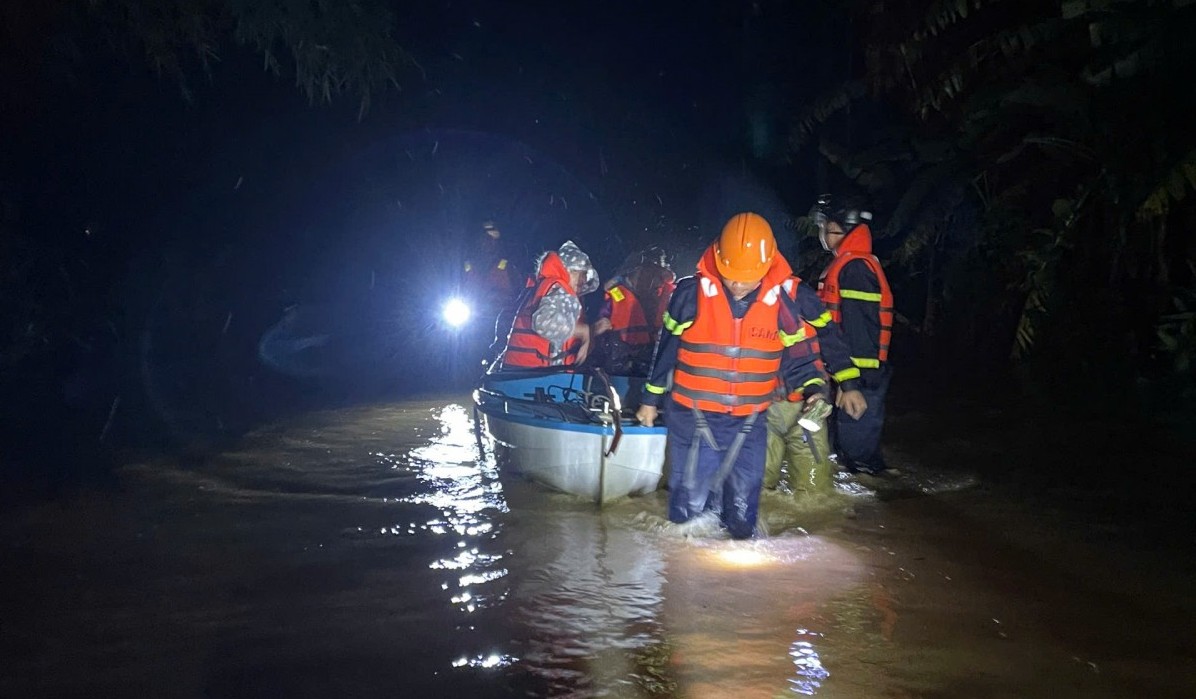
(824, 212)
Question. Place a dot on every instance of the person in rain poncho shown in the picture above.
(549, 329)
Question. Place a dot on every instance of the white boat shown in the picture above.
(568, 430)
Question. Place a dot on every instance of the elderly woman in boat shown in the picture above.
(549, 329)
(632, 313)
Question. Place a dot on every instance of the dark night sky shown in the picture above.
(653, 87)
(681, 103)
(664, 95)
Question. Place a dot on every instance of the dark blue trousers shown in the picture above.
(693, 488)
(858, 441)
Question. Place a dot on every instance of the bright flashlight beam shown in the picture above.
(455, 312)
(743, 558)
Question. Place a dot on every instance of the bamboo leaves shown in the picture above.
(332, 47)
(1176, 331)
(1173, 186)
(1060, 122)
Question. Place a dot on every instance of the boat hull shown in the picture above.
(570, 458)
(558, 428)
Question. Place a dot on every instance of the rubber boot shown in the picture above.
(781, 416)
(808, 454)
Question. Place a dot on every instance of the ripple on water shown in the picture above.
(463, 487)
(495, 584)
(552, 592)
(810, 671)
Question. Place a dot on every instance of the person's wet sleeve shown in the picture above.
(860, 311)
(683, 309)
(831, 343)
(799, 371)
(555, 318)
(800, 340)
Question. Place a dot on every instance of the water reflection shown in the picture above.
(810, 672)
(731, 607)
(545, 594)
(585, 589)
(464, 488)
(489, 661)
(370, 552)
(589, 605)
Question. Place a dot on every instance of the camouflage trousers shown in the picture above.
(806, 455)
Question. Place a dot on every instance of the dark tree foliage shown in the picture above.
(1033, 166)
(331, 47)
(64, 339)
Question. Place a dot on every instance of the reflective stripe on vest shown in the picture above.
(729, 365)
(832, 295)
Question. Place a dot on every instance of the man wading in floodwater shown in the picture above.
(724, 340)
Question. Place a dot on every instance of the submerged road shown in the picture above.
(370, 552)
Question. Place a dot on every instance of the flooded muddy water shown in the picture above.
(370, 552)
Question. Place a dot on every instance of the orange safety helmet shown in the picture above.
(745, 249)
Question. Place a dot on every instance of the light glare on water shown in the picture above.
(810, 672)
(352, 552)
(742, 558)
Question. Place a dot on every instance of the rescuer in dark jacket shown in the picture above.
(723, 342)
(857, 294)
(488, 268)
(805, 448)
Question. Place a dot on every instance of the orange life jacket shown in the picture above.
(627, 317)
(729, 365)
(526, 347)
(857, 245)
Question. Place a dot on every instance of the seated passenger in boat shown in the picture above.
(631, 315)
(549, 328)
